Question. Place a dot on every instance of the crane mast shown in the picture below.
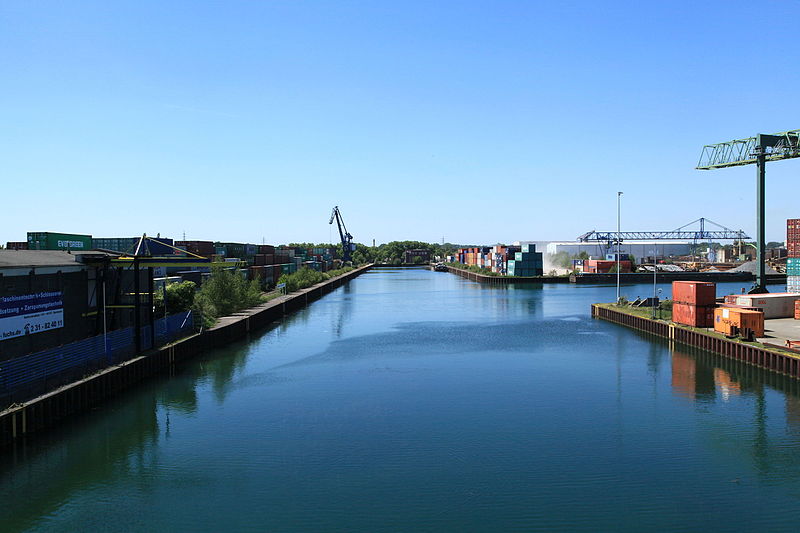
(347, 246)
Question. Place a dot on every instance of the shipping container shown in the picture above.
(46, 240)
(702, 293)
(201, 248)
(692, 315)
(732, 321)
(797, 310)
(793, 237)
(735, 306)
(793, 266)
(17, 245)
(776, 305)
(125, 245)
(266, 249)
(793, 284)
(233, 249)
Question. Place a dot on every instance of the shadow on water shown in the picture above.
(89, 451)
(93, 448)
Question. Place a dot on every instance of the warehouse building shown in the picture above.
(638, 249)
(49, 298)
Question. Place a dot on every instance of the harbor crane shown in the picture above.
(718, 234)
(347, 240)
(757, 149)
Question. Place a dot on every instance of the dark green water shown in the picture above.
(418, 401)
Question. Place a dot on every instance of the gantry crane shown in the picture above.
(758, 149)
(722, 233)
(347, 240)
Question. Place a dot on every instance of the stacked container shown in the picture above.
(201, 248)
(527, 262)
(793, 255)
(46, 240)
(693, 303)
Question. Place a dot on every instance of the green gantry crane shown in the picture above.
(758, 149)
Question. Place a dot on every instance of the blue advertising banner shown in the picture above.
(26, 314)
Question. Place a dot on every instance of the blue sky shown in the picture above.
(479, 122)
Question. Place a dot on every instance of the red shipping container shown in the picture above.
(259, 259)
(702, 293)
(797, 309)
(266, 249)
(203, 248)
(692, 315)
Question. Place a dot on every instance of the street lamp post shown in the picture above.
(655, 269)
(619, 197)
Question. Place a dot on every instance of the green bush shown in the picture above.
(306, 277)
(180, 297)
(224, 293)
(473, 268)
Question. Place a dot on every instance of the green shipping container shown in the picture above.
(45, 240)
(793, 266)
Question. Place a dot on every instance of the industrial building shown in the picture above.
(638, 249)
(49, 298)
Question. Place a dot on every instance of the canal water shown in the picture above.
(411, 400)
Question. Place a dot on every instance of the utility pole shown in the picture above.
(619, 199)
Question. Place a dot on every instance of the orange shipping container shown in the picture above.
(694, 292)
(797, 309)
(728, 318)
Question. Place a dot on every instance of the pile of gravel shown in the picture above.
(752, 267)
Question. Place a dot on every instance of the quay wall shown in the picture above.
(647, 277)
(21, 420)
(504, 280)
(782, 362)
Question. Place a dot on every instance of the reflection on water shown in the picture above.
(410, 400)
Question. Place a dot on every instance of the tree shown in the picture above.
(180, 297)
(224, 293)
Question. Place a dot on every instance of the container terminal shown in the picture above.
(757, 328)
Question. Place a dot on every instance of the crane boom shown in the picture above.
(344, 235)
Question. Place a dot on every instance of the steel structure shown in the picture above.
(344, 235)
(754, 150)
(681, 233)
(746, 151)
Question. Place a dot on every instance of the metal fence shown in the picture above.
(24, 377)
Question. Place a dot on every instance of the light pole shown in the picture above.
(619, 198)
(655, 269)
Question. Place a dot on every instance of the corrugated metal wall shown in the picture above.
(25, 377)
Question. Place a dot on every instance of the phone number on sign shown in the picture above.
(35, 328)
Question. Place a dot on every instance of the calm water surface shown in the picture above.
(411, 400)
